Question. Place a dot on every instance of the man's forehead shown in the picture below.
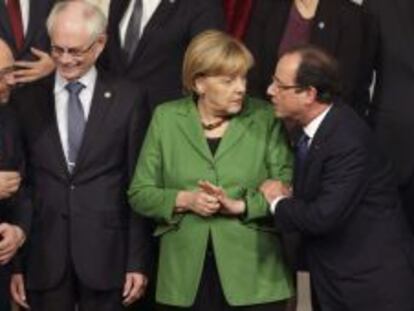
(287, 65)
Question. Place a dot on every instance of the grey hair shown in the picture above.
(95, 19)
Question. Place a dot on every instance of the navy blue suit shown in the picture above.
(355, 240)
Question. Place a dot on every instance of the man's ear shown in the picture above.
(310, 94)
(100, 44)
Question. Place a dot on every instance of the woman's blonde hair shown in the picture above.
(213, 53)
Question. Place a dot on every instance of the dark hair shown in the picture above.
(317, 69)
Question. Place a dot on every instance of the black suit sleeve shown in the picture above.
(342, 182)
(140, 248)
(13, 159)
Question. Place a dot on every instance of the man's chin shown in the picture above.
(69, 75)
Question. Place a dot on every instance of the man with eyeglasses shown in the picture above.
(355, 241)
(12, 224)
(82, 131)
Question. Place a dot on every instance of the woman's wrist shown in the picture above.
(183, 201)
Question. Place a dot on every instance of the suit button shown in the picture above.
(72, 187)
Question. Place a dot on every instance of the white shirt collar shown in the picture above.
(312, 127)
(88, 80)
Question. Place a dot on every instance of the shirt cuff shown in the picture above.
(274, 203)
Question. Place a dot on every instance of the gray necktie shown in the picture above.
(133, 30)
(76, 122)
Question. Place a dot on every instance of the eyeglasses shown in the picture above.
(282, 86)
(58, 51)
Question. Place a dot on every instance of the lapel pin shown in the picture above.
(107, 94)
(321, 25)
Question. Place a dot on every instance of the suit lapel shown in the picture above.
(5, 24)
(33, 25)
(160, 16)
(47, 103)
(325, 129)
(118, 8)
(313, 157)
(190, 126)
(101, 101)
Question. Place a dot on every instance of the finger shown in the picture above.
(14, 188)
(6, 248)
(209, 198)
(5, 194)
(24, 64)
(127, 286)
(9, 174)
(205, 211)
(214, 188)
(7, 189)
(213, 206)
(207, 187)
(24, 73)
(18, 292)
(38, 53)
(5, 261)
(13, 179)
(11, 182)
(4, 244)
(133, 293)
(26, 79)
(211, 209)
(6, 255)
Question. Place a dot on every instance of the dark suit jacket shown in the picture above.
(85, 216)
(356, 243)
(157, 62)
(36, 35)
(10, 212)
(392, 109)
(11, 158)
(338, 27)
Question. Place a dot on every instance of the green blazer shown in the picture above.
(174, 157)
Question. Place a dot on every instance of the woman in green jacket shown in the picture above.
(198, 175)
